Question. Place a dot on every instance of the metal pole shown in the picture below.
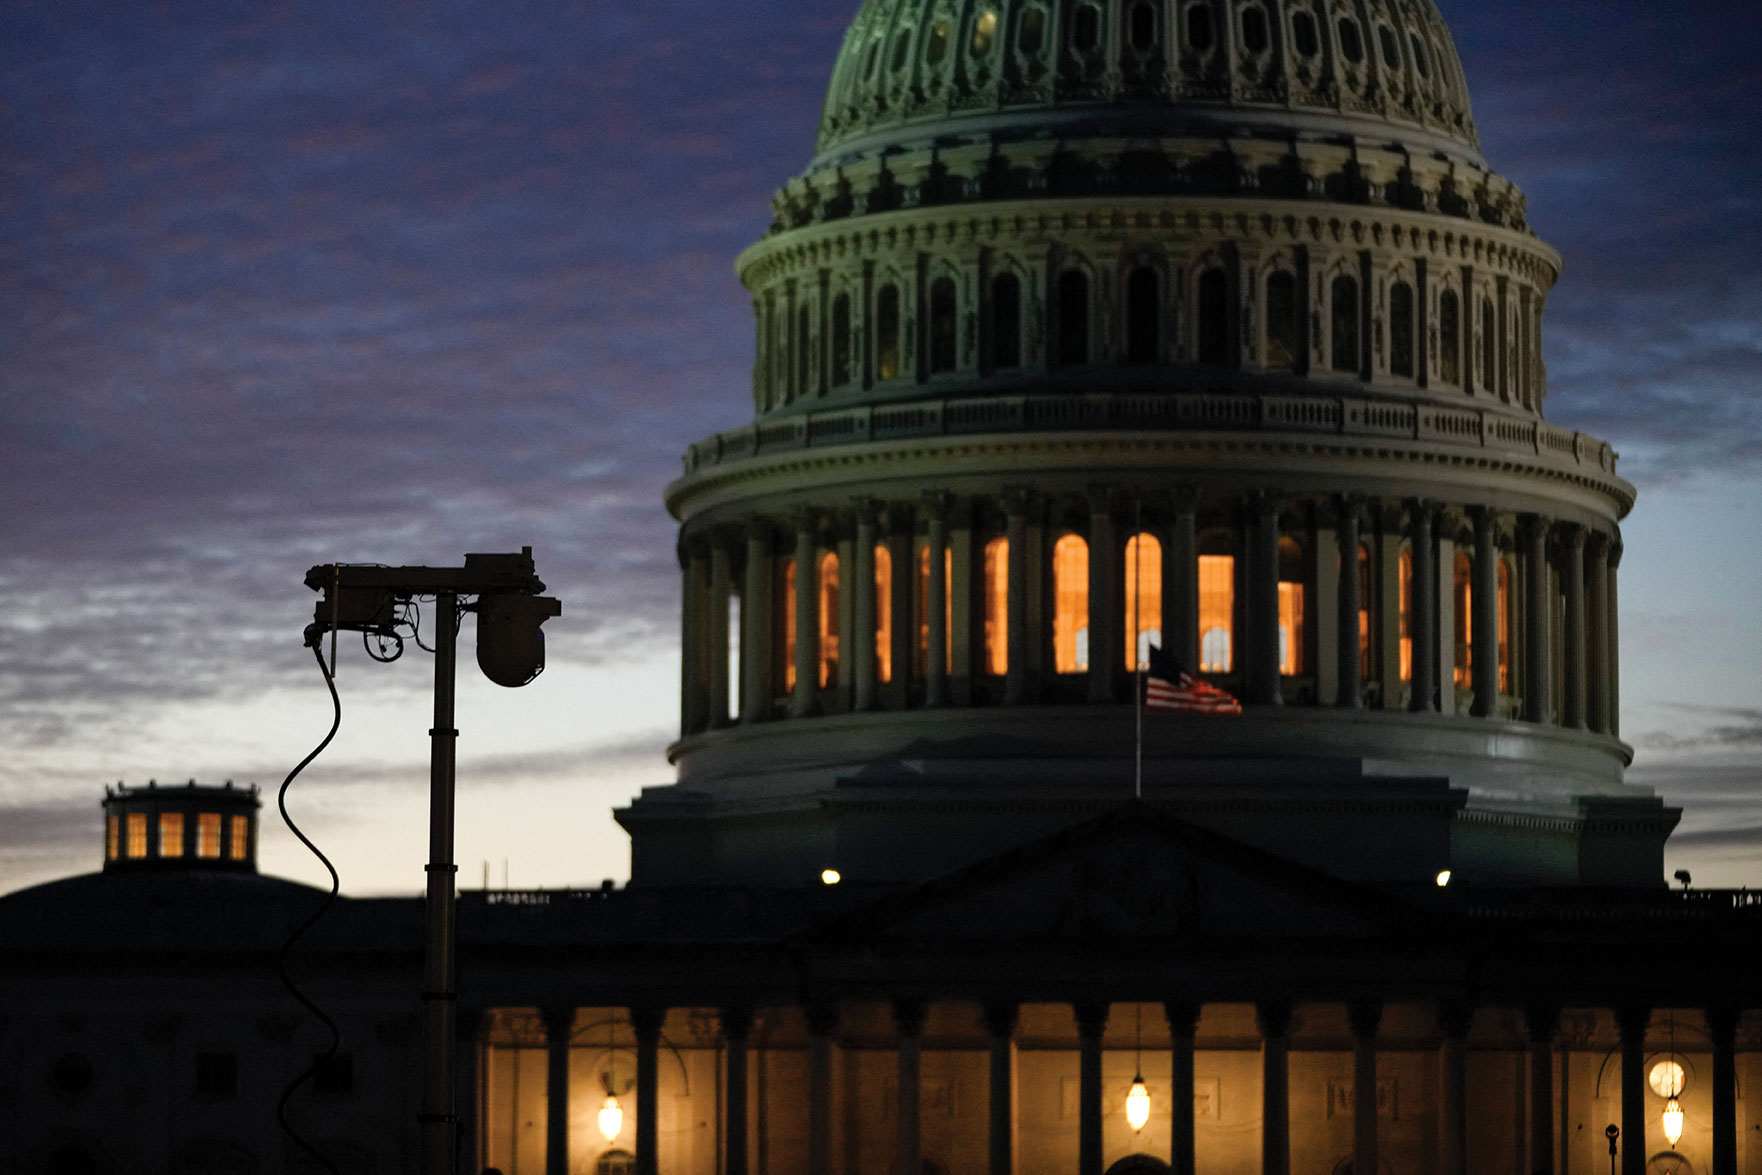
(440, 1125)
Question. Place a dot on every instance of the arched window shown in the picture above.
(828, 619)
(1489, 343)
(1143, 26)
(922, 606)
(902, 47)
(1086, 29)
(1293, 607)
(936, 46)
(1214, 317)
(887, 332)
(1401, 329)
(1367, 663)
(1143, 599)
(1391, 47)
(1504, 627)
(1217, 609)
(841, 340)
(1449, 338)
(996, 592)
(1143, 316)
(1405, 579)
(1281, 321)
(1351, 43)
(883, 614)
(1070, 594)
(1253, 29)
(783, 621)
(1031, 32)
(1073, 317)
(1345, 322)
(1006, 321)
(1461, 623)
(1199, 27)
(942, 325)
(984, 29)
(171, 834)
(804, 352)
(1303, 34)
(208, 835)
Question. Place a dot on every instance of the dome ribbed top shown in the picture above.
(919, 69)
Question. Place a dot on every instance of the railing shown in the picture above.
(1613, 906)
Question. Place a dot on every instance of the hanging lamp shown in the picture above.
(611, 1117)
(1673, 1107)
(1138, 1099)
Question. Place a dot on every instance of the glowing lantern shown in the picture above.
(1673, 1120)
(1138, 1104)
(611, 1119)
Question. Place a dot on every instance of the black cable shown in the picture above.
(330, 1051)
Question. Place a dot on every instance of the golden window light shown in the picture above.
(1143, 598)
(883, 614)
(208, 834)
(1070, 593)
(1464, 596)
(828, 619)
(1367, 667)
(171, 834)
(996, 589)
(922, 604)
(786, 622)
(112, 838)
(1504, 627)
(137, 835)
(1406, 612)
(1292, 607)
(241, 837)
(1217, 613)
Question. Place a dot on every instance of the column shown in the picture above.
(1542, 1019)
(1612, 659)
(1366, 1017)
(1263, 599)
(755, 625)
(694, 562)
(1180, 582)
(807, 610)
(908, 1023)
(1722, 1026)
(1597, 635)
(467, 1090)
(1351, 671)
(966, 627)
(936, 603)
(721, 590)
(1106, 597)
(1275, 1099)
(1183, 1017)
(822, 1022)
(1633, 1021)
(559, 1023)
(736, 1025)
(647, 1022)
(862, 635)
(1425, 609)
(1000, 1026)
(1091, 1021)
(1018, 685)
(1453, 1019)
(1572, 582)
(1538, 669)
(904, 561)
(1484, 616)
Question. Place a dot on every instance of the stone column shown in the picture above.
(1180, 582)
(1366, 1017)
(1572, 582)
(1000, 1026)
(736, 1026)
(936, 603)
(908, 1023)
(1538, 670)
(721, 592)
(1454, 1019)
(467, 1089)
(1263, 599)
(647, 1022)
(1484, 616)
(1722, 1026)
(1633, 1021)
(694, 563)
(1018, 685)
(1350, 670)
(862, 630)
(807, 611)
(559, 1023)
(1597, 633)
(1091, 1021)
(1612, 659)
(1542, 1019)
(822, 1022)
(1106, 597)
(1275, 1097)
(1183, 1017)
(1425, 609)
(755, 625)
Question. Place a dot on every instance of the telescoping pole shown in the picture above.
(440, 1125)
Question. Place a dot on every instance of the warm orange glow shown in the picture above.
(1138, 1104)
(241, 837)
(1217, 613)
(923, 610)
(611, 1119)
(171, 834)
(786, 621)
(1406, 607)
(1464, 671)
(137, 835)
(112, 838)
(828, 619)
(1292, 607)
(1070, 593)
(1143, 598)
(1504, 627)
(1366, 663)
(883, 614)
(208, 834)
(996, 588)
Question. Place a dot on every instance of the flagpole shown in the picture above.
(1137, 661)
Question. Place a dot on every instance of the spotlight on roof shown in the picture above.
(830, 877)
(1443, 878)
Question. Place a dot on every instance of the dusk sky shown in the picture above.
(292, 283)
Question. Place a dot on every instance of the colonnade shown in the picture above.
(1449, 607)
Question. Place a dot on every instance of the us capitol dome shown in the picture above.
(1095, 326)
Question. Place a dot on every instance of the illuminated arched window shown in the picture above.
(241, 838)
(1293, 607)
(922, 601)
(1345, 323)
(841, 340)
(1006, 321)
(883, 614)
(887, 332)
(137, 835)
(1504, 627)
(208, 835)
(1214, 317)
(1401, 329)
(1367, 663)
(1073, 317)
(171, 834)
(1461, 627)
(995, 588)
(1070, 594)
(1281, 321)
(1449, 338)
(1143, 316)
(112, 838)
(942, 325)
(1217, 609)
(828, 619)
(1143, 598)
(1406, 611)
(784, 623)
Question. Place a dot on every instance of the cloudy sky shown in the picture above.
(287, 283)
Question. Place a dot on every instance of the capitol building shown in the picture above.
(1096, 339)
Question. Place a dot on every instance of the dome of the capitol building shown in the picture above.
(1098, 328)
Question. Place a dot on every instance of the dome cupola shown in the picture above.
(185, 827)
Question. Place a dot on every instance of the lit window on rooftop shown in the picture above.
(208, 835)
(171, 834)
(137, 835)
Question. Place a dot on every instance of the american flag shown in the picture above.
(1170, 686)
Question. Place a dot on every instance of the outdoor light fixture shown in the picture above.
(1673, 1107)
(1138, 1098)
(1673, 1120)
(830, 877)
(1443, 878)
(611, 1118)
